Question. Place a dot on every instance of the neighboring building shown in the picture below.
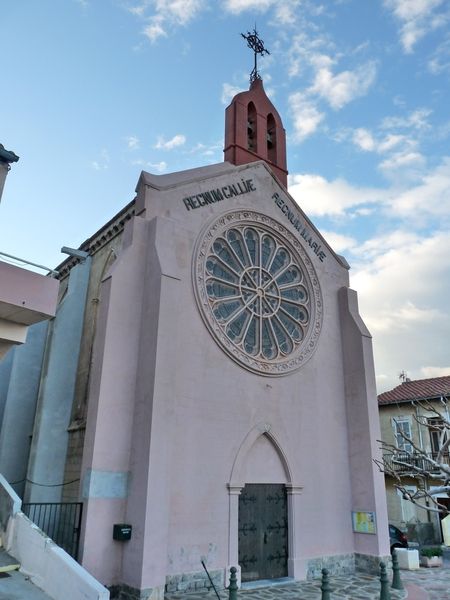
(26, 298)
(209, 381)
(403, 409)
(6, 158)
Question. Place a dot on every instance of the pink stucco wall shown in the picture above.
(184, 425)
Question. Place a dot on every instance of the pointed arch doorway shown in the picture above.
(262, 540)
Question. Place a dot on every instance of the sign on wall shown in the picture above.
(364, 522)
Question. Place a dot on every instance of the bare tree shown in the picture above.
(412, 462)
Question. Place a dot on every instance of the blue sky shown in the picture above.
(93, 91)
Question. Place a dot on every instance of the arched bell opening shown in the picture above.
(271, 139)
(251, 128)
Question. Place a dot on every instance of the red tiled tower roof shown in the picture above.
(420, 389)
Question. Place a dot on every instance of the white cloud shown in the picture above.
(228, 92)
(177, 140)
(344, 87)
(417, 18)
(400, 145)
(401, 272)
(238, 6)
(140, 8)
(155, 29)
(363, 139)
(337, 241)
(336, 89)
(319, 197)
(390, 142)
(419, 203)
(132, 142)
(440, 61)
(305, 115)
(430, 197)
(402, 160)
(403, 282)
(428, 372)
(415, 120)
(285, 11)
(102, 163)
(179, 11)
(160, 167)
(165, 14)
(207, 150)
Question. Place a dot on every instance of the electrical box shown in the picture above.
(122, 532)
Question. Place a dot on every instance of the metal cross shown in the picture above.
(257, 45)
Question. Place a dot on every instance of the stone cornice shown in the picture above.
(97, 241)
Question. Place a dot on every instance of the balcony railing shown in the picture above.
(410, 461)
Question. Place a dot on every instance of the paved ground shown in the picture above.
(424, 584)
(435, 581)
(15, 586)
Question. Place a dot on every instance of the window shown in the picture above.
(407, 507)
(258, 292)
(402, 425)
(438, 434)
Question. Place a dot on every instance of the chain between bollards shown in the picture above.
(325, 587)
(233, 587)
(385, 594)
(396, 581)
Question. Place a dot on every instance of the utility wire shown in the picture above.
(44, 484)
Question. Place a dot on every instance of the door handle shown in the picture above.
(265, 537)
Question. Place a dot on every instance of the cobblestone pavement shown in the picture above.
(358, 587)
(435, 581)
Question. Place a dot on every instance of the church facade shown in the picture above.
(219, 402)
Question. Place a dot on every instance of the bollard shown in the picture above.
(233, 587)
(396, 581)
(325, 587)
(385, 593)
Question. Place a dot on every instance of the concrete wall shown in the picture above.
(46, 565)
(18, 421)
(102, 259)
(50, 437)
(5, 372)
(25, 298)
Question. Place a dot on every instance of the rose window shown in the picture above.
(257, 294)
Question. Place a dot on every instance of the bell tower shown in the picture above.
(253, 127)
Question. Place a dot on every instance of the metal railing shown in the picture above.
(409, 461)
(61, 521)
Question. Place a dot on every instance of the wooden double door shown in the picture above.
(263, 531)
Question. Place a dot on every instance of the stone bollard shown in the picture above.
(396, 581)
(385, 594)
(325, 587)
(233, 587)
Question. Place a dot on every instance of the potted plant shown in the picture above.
(431, 557)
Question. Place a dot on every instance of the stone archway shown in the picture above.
(261, 460)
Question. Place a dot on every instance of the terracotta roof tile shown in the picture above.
(420, 389)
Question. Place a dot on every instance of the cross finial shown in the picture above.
(257, 45)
